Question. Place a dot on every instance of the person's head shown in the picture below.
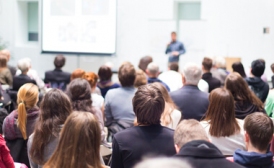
(141, 78)
(148, 105)
(79, 92)
(192, 73)
(127, 74)
(77, 73)
(54, 110)
(105, 73)
(152, 70)
(6, 53)
(23, 65)
(163, 163)
(257, 68)
(3, 61)
(92, 79)
(272, 67)
(59, 61)
(79, 144)
(187, 131)
(173, 66)
(207, 64)
(221, 113)
(27, 98)
(144, 61)
(238, 67)
(173, 36)
(219, 62)
(240, 90)
(258, 131)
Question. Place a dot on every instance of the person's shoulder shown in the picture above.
(126, 132)
(115, 85)
(112, 92)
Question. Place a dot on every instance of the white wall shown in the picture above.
(227, 28)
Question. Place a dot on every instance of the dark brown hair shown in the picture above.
(174, 33)
(54, 110)
(240, 90)
(272, 67)
(92, 78)
(105, 73)
(238, 67)
(3, 61)
(77, 73)
(221, 114)
(144, 61)
(79, 144)
(59, 61)
(127, 74)
(174, 66)
(259, 127)
(207, 63)
(148, 105)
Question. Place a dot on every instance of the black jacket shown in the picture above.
(242, 109)
(259, 87)
(213, 83)
(203, 154)
(57, 78)
(192, 102)
(272, 79)
(20, 80)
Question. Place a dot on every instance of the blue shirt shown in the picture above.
(175, 46)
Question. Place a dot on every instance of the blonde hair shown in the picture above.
(27, 98)
(141, 78)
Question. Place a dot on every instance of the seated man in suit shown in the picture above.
(192, 145)
(58, 78)
(192, 102)
(213, 82)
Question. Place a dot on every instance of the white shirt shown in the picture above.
(227, 145)
(176, 117)
(97, 100)
(203, 86)
(172, 78)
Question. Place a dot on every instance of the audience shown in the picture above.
(272, 78)
(152, 73)
(163, 163)
(192, 102)
(238, 67)
(257, 85)
(54, 110)
(258, 135)
(263, 77)
(217, 69)
(223, 129)
(58, 78)
(246, 102)
(144, 61)
(213, 82)
(141, 78)
(269, 104)
(172, 77)
(193, 146)
(105, 83)
(5, 74)
(23, 78)
(149, 137)
(79, 145)
(6, 53)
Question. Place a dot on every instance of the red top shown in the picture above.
(6, 160)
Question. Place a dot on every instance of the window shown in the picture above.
(32, 21)
(189, 11)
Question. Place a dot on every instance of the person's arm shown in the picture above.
(181, 49)
(117, 161)
(107, 111)
(8, 129)
(168, 49)
(6, 157)
(32, 164)
(9, 78)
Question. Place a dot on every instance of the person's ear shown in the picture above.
(247, 139)
(183, 79)
(177, 149)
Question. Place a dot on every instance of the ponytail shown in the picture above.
(22, 119)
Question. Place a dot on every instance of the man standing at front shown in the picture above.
(174, 48)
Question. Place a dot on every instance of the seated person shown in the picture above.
(213, 82)
(149, 137)
(144, 61)
(58, 78)
(23, 78)
(152, 72)
(141, 78)
(258, 135)
(12, 69)
(193, 146)
(257, 85)
(218, 69)
(272, 78)
(5, 75)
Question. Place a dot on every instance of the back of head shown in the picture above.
(257, 68)
(207, 63)
(59, 61)
(27, 98)
(259, 128)
(220, 62)
(272, 67)
(127, 74)
(5, 53)
(221, 113)
(163, 163)
(92, 78)
(77, 73)
(187, 131)
(23, 65)
(141, 78)
(3, 61)
(144, 61)
(173, 66)
(192, 73)
(83, 148)
(148, 105)
(238, 67)
(153, 69)
(105, 73)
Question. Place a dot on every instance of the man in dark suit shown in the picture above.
(58, 78)
(192, 102)
(213, 82)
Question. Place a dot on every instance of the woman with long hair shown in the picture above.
(5, 74)
(223, 129)
(238, 67)
(54, 110)
(246, 102)
(79, 144)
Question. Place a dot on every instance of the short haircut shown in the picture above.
(105, 73)
(174, 66)
(23, 65)
(127, 74)
(148, 105)
(173, 33)
(144, 61)
(207, 63)
(3, 61)
(259, 127)
(220, 62)
(141, 78)
(272, 67)
(59, 61)
(153, 68)
(257, 68)
(77, 73)
(187, 131)
(163, 163)
(192, 73)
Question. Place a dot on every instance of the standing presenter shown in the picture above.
(174, 48)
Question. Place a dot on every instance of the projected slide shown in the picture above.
(79, 26)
